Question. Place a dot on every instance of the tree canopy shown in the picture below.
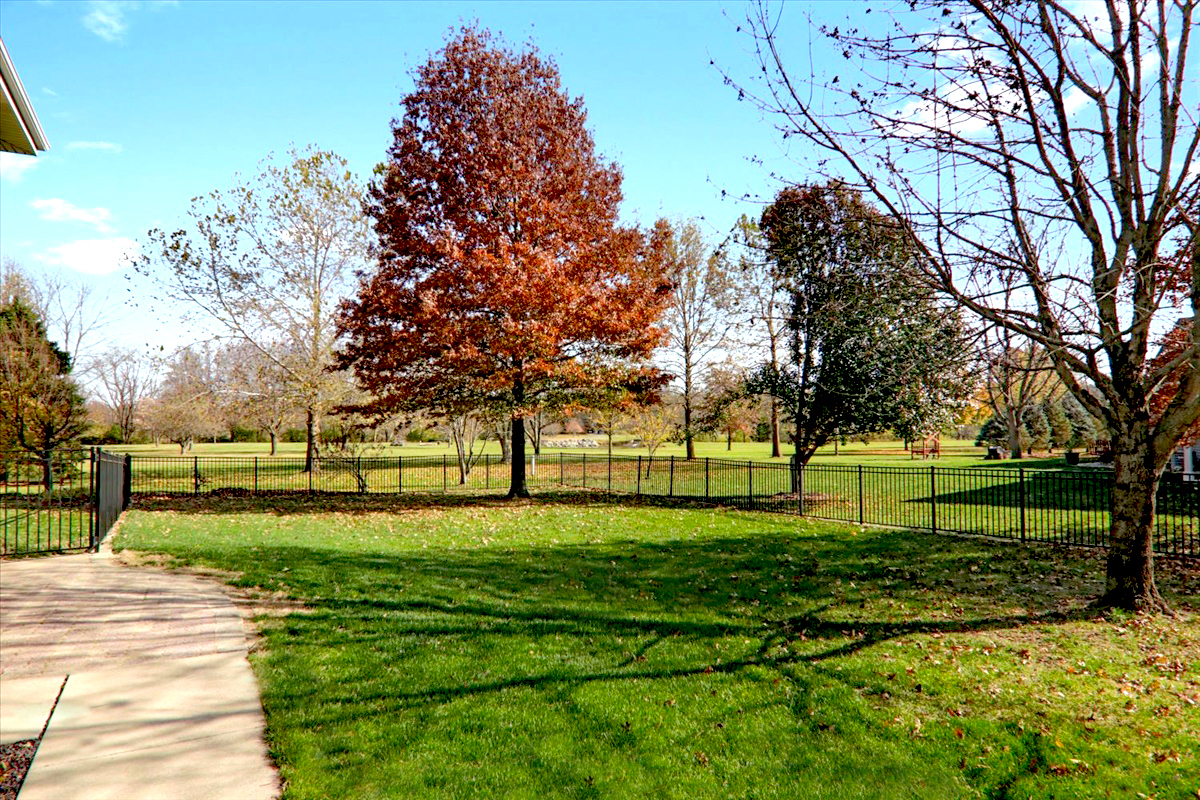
(41, 407)
(505, 279)
(869, 348)
(267, 262)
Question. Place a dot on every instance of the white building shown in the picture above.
(1186, 459)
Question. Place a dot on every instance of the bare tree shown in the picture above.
(993, 127)
(269, 261)
(1019, 374)
(257, 389)
(73, 313)
(464, 431)
(186, 405)
(698, 326)
(758, 301)
(125, 379)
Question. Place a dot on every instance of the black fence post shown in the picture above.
(256, 474)
(799, 472)
(195, 474)
(933, 498)
(671, 479)
(610, 473)
(94, 510)
(585, 470)
(639, 480)
(445, 485)
(861, 515)
(399, 474)
(127, 484)
(706, 478)
(750, 484)
(1021, 482)
(561, 475)
(487, 472)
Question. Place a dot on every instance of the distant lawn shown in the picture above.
(955, 452)
(568, 647)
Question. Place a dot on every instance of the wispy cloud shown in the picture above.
(91, 256)
(108, 19)
(13, 166)
(56, 209)
(111, 147)
(49, 91)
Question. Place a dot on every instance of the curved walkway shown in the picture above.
(139, 679)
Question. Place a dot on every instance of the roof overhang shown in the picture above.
(20, 131)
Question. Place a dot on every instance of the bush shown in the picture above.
(420, 434)
(237, 433)
(294, 435)
(762, 432)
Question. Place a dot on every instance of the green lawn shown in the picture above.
(572, 647)
(956, 452)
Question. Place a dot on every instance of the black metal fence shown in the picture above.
(65, 502)
(1066, 507)
(1058, 506)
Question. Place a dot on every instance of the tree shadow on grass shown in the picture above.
(768, 589)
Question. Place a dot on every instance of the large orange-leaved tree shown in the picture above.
(504, 279)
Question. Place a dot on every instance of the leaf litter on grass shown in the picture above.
(972, 658)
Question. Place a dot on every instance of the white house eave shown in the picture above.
(24, 121)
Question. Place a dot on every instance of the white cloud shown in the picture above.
(56, 209)
(91, 256)
(111, 147)
(49, 91)
(106, 18)
(13, 166)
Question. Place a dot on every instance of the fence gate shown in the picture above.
(61, 502)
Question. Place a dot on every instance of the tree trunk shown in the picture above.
(505, 438)
(517, 485)
(312, 425)
(274, 441)
(1130, 582)
(728, 440)
(48, 470)
(689, 445)
(775, 452)
(1012, 422)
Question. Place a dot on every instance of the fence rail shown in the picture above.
(67, 501)
(1066, 507)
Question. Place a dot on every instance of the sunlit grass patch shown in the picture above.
(574, 647)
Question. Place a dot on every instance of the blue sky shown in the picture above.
(149, 104)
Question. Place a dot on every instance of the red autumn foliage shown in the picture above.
(504, 278)
(1172, 346)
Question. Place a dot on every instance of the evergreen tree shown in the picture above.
(1035, 428)
(41, 408)
(1060, 425)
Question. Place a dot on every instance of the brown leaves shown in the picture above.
(504, 276)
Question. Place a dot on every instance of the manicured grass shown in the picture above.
(570, 647)
(956, 452)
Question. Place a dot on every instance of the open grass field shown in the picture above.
(956, 452)
(571, 647)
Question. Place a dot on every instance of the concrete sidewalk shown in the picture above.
(155, 697)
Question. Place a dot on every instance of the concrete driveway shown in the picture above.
(139, 678)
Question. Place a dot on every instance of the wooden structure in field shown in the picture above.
(929, 447)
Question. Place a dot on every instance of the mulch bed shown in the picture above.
(14, 763)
